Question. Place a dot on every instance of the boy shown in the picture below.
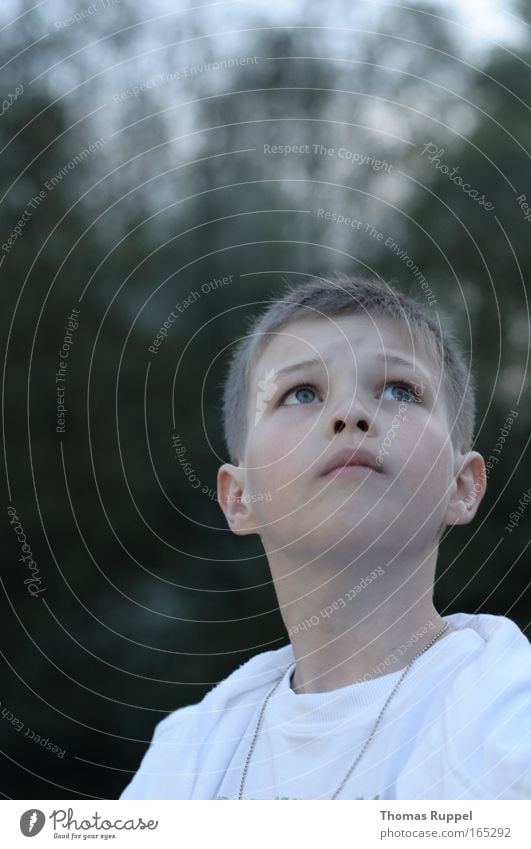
(349, 418)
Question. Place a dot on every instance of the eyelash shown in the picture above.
(408, 385)
(404, 383)
(294, 389)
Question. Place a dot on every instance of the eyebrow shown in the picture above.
(317, 361)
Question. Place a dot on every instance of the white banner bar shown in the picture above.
(267, 824)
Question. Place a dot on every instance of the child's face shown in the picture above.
(353, 397)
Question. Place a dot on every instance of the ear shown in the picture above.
(233, 501)
(470, 487)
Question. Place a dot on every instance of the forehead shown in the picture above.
(352, 338)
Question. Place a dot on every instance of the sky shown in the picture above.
(483, 22)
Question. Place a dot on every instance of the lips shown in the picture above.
(350, 457)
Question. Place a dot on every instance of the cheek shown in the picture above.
(273, 444)
(275, 474)
(429, 459)
(266, 466)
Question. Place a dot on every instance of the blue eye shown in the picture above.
(402, 391)
(303, 394)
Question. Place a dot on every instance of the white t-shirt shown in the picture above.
(458, 727)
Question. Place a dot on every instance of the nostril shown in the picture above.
(363, 425)
(339, 426)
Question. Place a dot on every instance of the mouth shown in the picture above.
(352, 471)
(351, 463)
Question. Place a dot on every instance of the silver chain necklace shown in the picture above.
(367, 742)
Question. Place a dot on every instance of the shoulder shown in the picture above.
(490, 707)
(239, 688)
(172, 763)
(496, 666)
(499, 651)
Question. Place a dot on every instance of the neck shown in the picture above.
(355, 622)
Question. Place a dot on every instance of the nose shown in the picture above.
(351, 415)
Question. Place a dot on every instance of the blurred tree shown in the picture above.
(149, 599)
